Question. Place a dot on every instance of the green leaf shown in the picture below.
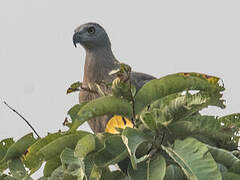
(33, 159)
(149, 120)
(222, 168)
(89, 166)
(67, 157)
(3, 176)
(230, 176)
(71, 164)
(73, 167)
(33, 170)
(43, 178)
(16, 168)
(194, 159)
(74, 110)
(19, 148)
(232, 123)
(55, 147)
(84, 146)
(156, 168)
(8, 178)
(174, 172)
(107, 105)
(115, 175)
(58, 174)
(140, 173)
(231, 120)
(51, 165)
(225, 158)
(4, 146)
(113, 152)
(199, 126)
(235, 168)
(152, 169)
(174, 107)
(121, 87)
(124, 164)
(74, 87)
(133, 90)
(95, 173)
(81, 168)
(158, 88)
(133, 138)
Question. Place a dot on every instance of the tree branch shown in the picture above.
(22, 118)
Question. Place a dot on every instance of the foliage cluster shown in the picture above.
(170, 139)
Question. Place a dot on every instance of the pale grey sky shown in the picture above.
(39, 61)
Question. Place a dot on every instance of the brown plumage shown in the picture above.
(99, 62)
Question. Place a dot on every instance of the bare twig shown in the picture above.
(88, 89)
(22, 118)
(133, 102)
(163, 136)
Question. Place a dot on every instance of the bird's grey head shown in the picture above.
(91, 36)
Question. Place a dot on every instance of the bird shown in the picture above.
(99, 62)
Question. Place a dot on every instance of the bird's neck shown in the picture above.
(98, 63)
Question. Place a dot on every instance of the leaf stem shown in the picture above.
(133, 102)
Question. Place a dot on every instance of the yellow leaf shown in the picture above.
(117, 122)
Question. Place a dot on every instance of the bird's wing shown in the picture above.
(139, 79)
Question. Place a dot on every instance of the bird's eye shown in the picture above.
(91, 30)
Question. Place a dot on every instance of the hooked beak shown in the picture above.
(76, 38)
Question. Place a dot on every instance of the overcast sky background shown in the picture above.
(39, 61)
